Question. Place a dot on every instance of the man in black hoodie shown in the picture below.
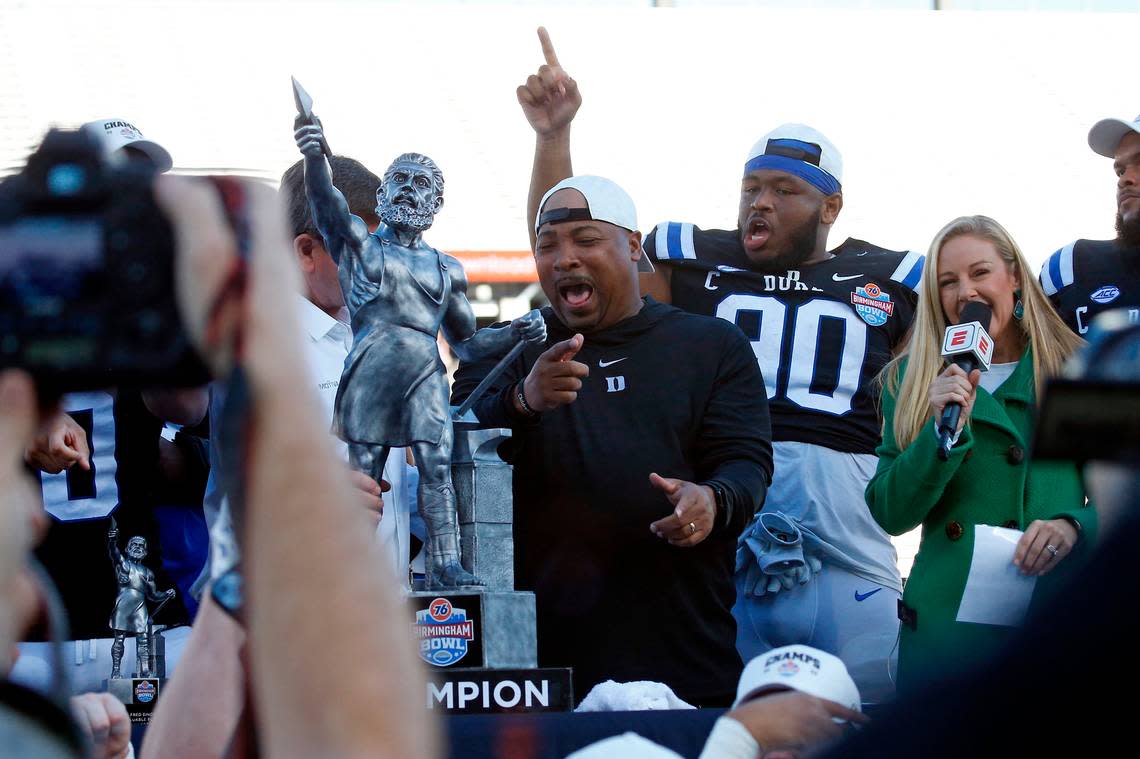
(641, 450)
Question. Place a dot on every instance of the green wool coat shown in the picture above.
(987, 481)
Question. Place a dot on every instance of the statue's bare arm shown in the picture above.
(152, 592)
(459, 323)
(113, 546)
(471, 344)
(341, 230)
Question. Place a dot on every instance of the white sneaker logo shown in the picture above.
(604, 364)
(838, 278)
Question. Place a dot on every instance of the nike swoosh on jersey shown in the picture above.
(839, 278)
(865, 596)
(604, 364)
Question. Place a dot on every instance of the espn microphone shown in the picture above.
(968, 345)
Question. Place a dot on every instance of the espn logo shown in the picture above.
(969, 338)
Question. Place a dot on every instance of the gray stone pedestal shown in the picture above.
(472, 629)
(485, 505)
(481, 642)
(138, 694)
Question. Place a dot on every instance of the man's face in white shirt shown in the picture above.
(319, 271)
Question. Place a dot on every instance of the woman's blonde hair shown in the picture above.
(1051, 339)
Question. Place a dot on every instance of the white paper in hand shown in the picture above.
(996, 592)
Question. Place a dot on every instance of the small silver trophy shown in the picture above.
(132, 617)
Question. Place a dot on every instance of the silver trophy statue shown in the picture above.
(130, 615)
(400, 293)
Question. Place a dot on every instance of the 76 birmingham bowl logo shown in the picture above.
(444, 632)
(872, 304)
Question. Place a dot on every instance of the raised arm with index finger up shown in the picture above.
(549, 99)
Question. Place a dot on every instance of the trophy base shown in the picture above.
(500, 691)
(475, 629)
(138, 694)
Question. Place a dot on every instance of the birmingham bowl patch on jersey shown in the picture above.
(872, 304)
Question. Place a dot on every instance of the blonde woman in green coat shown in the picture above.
(987, 479)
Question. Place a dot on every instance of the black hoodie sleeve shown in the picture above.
(734, 446)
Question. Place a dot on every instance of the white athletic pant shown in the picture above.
(837, 612)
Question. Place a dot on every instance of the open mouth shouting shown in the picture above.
(403, 199)
(577, 293)
(756, 234)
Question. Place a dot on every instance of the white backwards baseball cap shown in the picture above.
(801, 668)
(605, 201)
(1106, 134)
(802, 151)
(115, 134)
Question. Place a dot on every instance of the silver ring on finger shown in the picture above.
(692, 529)
(1052, 549)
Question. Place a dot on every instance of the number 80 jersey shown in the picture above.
(821, 333)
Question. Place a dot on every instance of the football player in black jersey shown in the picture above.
(1089, 276)
(822, 325)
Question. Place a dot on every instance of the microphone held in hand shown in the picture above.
(968, 345)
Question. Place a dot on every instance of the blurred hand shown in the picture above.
(556, 378)
(59, 444)
(221, 307)
(371, 492)
(550, 98)
(105, 722)
(1033, 555)
(694, 511)
(953, 385)
(22, 519)
(789, 722)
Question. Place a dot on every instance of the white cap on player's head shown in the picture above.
(605, 201)
(802, 151)
(1106, 134)
(801, 668)
(114, 134)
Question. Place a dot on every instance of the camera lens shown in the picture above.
(66, 179)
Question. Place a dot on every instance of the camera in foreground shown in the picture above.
(87, 274)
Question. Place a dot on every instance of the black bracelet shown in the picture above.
(721, 509)
(521, 395)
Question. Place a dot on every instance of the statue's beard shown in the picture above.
(403, 216)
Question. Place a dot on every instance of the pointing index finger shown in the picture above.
(547, 47)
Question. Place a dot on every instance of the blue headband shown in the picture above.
(800, 159)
